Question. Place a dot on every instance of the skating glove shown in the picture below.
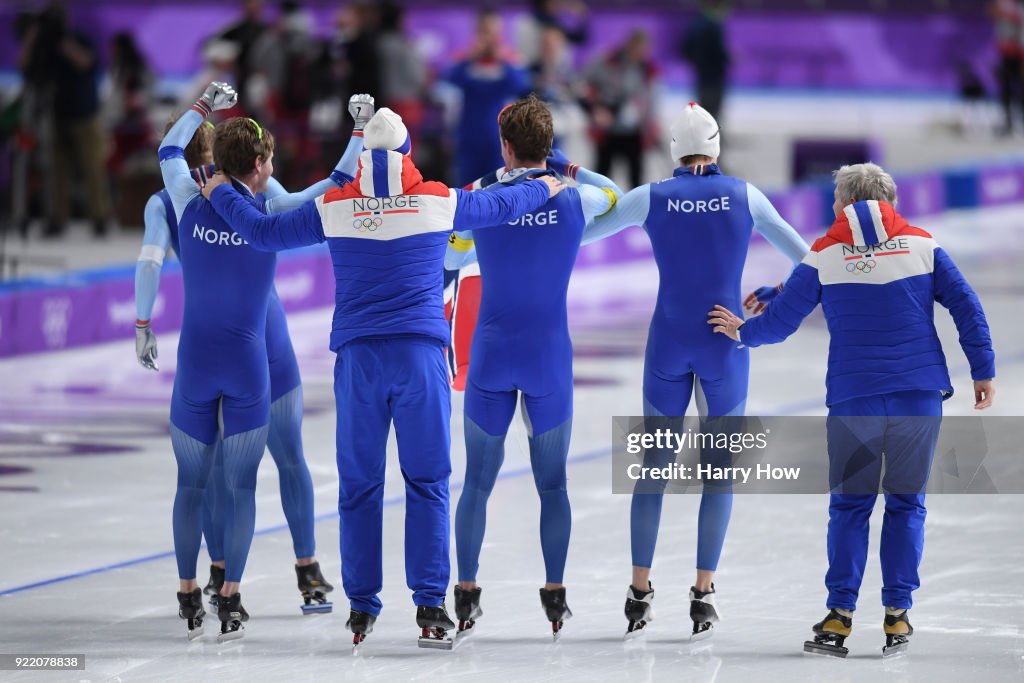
(218, 96)
(145, 345)
(361, 108)
(560, 164)
(759, 299)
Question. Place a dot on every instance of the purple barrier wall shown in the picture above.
(7, 326)
(1001, 185)
(770, 49)
(922, 195)
(803, 207)
(50, 318)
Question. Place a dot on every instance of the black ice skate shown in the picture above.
(897, 631)
(435, 624)
(467, 610)
(361, 625)
(213, 586)
(314, 589)
(231, 614)
(555, 608)
(639, 609)
(830, 633)
(190, 608)
(703, 612)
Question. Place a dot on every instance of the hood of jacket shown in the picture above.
(386, 173)
(868, 223)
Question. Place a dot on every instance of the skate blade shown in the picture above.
(557, 627)
(230, 635)
(464, 634)
(445, 643)
(898, 650)
(636, 634)
(702, 635)
(194, 633)
(823, 650)
(357, 642)
(318, 608)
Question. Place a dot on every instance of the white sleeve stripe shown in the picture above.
(151, 252)
(876, 217)
(851, 216)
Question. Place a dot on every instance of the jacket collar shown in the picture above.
(697, 169)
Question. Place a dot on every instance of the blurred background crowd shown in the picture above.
(87, 88)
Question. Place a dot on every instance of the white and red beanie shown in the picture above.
(695, 131)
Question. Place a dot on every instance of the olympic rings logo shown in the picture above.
(858, 267)
(364, 224)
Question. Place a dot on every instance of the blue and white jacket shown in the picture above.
(876, 277)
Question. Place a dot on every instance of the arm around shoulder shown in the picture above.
(296, 228)
(476, 210)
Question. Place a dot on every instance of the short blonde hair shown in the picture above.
(865, 181)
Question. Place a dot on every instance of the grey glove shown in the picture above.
(145, 346)
(361, 108)
(219, 96)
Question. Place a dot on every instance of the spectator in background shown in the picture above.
(552, 78)
(127, 102)
(403, 75)
(282, 65)
(973, 98)
(551, 71)
(488, 78)
(705, 48)
(244, 33)
(63, 63)
(219, 64)
(620, 91)
(567, 17)
(1008, 17)
(357, 38)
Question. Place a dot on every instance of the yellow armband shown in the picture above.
(613, 198)
(458, 244)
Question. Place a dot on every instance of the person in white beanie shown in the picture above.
(699, 222)
(386, 130)
(388, 232)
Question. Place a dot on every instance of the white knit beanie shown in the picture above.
(386, 131)
(695, 131)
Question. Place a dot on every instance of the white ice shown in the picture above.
(94, 529)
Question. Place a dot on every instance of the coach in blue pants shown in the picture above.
(388, 231)
(876, 277)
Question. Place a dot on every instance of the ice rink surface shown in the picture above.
(87, 568)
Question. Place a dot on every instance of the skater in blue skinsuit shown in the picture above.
(521, 350)
(222, 392)
(699, 222)
(285, 432)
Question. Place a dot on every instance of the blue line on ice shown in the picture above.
(394, 500)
